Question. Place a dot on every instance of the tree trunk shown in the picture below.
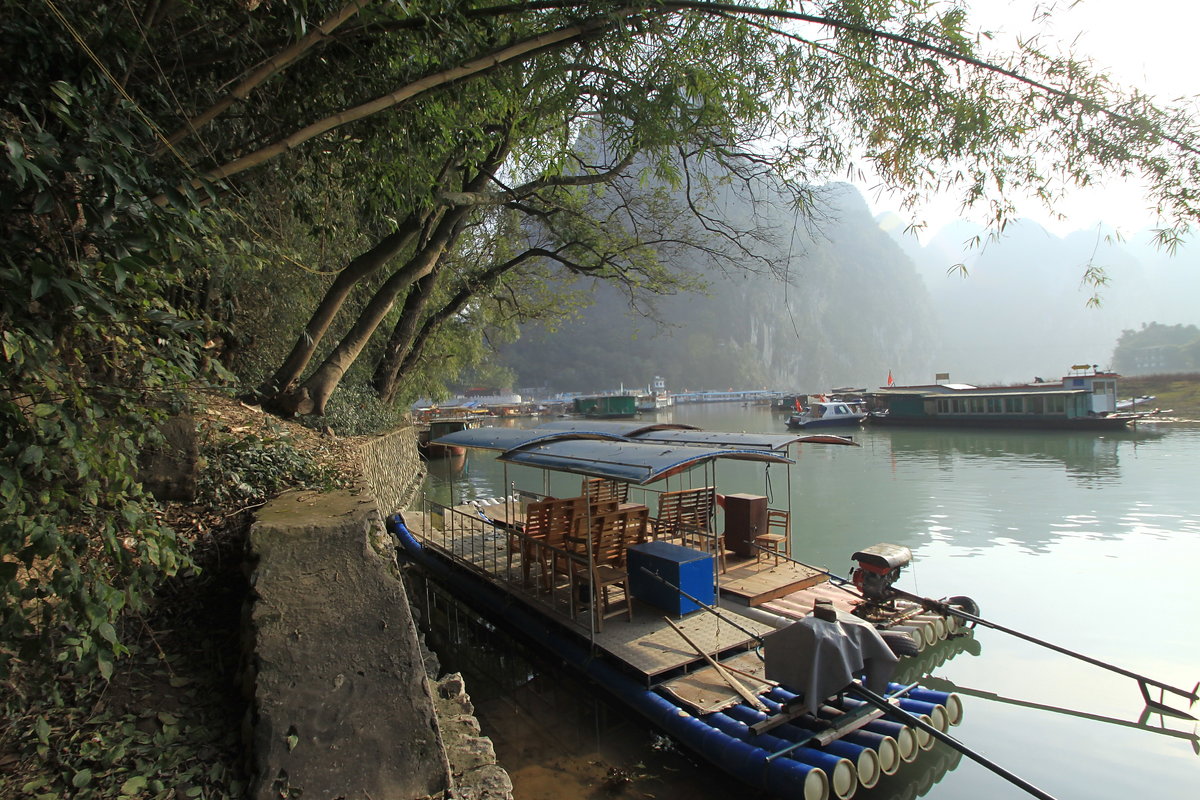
(312, 395)
(318, 324)
(407, 360)
(403, 335)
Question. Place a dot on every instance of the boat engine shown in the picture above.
(878, 568)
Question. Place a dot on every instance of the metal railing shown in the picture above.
(553, 578)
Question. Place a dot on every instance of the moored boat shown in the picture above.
(775, 707)
(435, 423)
(1086, 399)
(828, 414)
(1133, 402)
(656, 397)
(607, 406)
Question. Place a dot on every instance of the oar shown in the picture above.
(758, 638)
(1143, 681)
(945, 608)
(915, 722)
(733, 682)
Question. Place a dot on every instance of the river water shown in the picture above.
(1091, 541)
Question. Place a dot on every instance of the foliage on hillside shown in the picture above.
(1176, 395)
(1156, 349)
(851, 309)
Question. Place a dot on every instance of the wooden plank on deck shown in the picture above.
(706, 691)
(648, 644)
(756, 581)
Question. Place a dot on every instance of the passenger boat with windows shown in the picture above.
(1085, 399)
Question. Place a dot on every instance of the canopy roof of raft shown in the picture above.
(672, 433)
(599, 454)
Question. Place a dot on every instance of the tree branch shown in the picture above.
(266, 69)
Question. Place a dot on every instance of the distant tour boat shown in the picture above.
(608, 406)
(1086, 399)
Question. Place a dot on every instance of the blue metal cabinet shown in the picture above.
(685, 568)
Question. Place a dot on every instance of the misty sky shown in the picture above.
(1150, 44)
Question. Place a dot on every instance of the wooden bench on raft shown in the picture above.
(686, 516)
(602, 489)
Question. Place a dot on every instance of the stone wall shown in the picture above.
(342, 707)
(347, 701)
(392, 469)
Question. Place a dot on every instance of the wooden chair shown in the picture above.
(547, 526)
(611, 534)
(686, 516)
(604, 489)
(777, 539)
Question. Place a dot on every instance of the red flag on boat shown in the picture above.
(891, 380)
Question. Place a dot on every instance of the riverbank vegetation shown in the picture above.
(292, 197)
(1176, 395)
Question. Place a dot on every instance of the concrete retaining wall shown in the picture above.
(341, 701)
(346, 701)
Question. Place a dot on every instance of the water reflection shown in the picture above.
(1092, 459)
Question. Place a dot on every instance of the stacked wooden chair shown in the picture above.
(605, 489)
(686, 517)
(610, 535)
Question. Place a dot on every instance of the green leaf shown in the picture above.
(64, 91)
(134, 785)
(35, 784)
(292, 741)
(43, 203)
(81, 778)
(42, 729)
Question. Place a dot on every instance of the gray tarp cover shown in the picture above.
(820, 658)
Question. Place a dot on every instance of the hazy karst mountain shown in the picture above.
(853, 309)
(1021, 309)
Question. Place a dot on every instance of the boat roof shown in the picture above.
(626, 429)
(973, 391)
(605, 454)
(505, 439)
(675, 433)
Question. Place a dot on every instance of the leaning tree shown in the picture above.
(162, 158)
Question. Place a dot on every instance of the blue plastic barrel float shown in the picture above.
(950, 701)
(866, 761)
(843, 776)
